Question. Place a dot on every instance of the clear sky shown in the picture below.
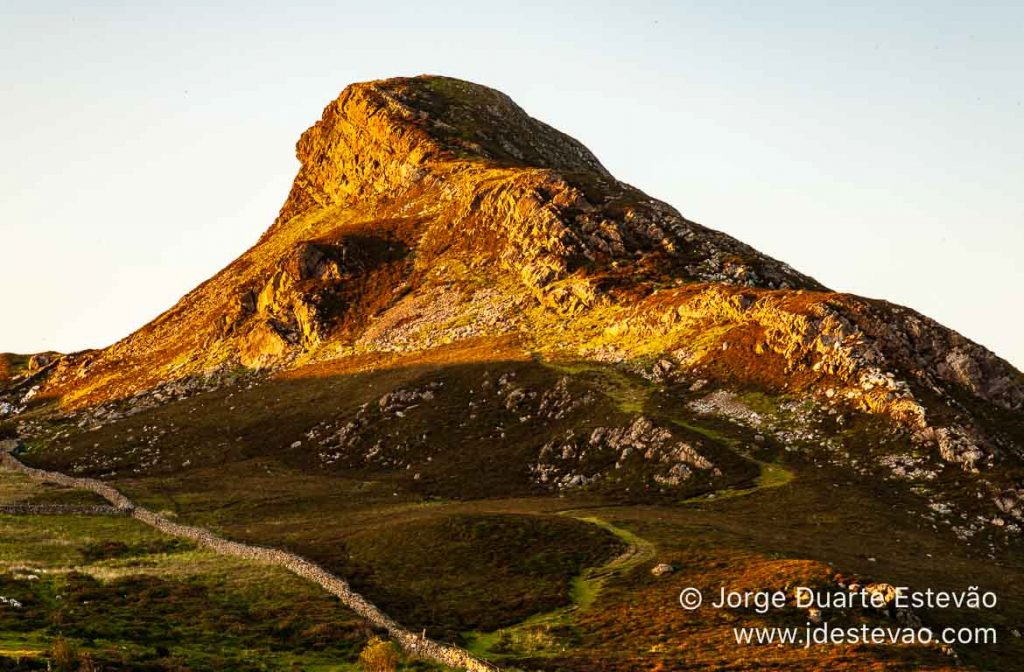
(878, 146)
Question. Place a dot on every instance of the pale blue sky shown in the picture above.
(878, 146)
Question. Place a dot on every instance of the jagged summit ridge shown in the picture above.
(382, 137)
(474, 152)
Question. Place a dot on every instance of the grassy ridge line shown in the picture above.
(445, 654)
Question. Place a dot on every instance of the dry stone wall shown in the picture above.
(61, 510)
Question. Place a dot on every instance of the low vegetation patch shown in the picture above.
(98, 593)
(470, 572)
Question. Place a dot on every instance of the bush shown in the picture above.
(86, 663)
(64, 655)
(379, 656)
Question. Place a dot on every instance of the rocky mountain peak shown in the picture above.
(429, 210)
(383, 137)
(488, 184)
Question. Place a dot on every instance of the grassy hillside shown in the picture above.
(453, 533)
(123, 597)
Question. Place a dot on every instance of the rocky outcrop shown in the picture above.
(384, 138)
(41, 360)
(577, 461)
(842, 350)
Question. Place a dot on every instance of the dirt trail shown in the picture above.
(586, 587)
(413, 643)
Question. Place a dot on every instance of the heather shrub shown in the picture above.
(379, 656)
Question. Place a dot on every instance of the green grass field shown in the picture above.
(127, 598)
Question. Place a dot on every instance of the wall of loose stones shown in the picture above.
(61, 510)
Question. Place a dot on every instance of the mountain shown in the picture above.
(460, 301)
(431, 210)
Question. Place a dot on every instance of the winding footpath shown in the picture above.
(585, 588)
(413, 643)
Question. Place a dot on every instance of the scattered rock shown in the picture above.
(662, 569)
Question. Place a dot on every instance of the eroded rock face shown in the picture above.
(286, 311)
(841, 350)
(383, 138)
(41, 361)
